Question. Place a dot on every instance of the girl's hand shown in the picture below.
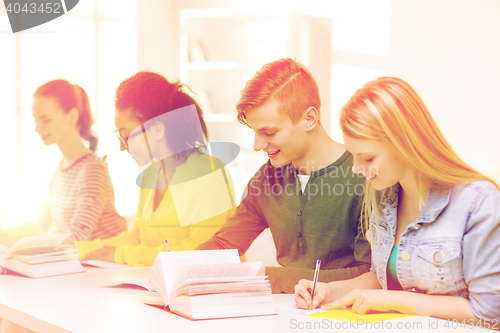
(303, 294)
(364, 300)
(106, 253)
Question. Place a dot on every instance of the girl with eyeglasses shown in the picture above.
(185, 193)
(433, 222)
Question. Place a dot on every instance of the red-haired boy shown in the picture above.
(306, 193)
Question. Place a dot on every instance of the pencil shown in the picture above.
(315, 279)
(166, 244)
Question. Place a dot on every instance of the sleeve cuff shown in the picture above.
(86, 247)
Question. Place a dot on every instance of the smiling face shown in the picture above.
(130, 130)
(275, 134)
(378, 162)
(52, 122)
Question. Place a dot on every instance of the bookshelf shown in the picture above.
(219, 52)
(221, 48)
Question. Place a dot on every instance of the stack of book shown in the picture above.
(41, 256)
(210, 284)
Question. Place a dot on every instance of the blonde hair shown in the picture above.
(389, 110)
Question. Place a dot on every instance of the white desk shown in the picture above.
(79, 303)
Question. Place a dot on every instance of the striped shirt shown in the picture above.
(82, 201)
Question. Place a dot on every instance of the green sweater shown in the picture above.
(321, 223)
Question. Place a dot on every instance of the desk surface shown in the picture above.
(79, 303)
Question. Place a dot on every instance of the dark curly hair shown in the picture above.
(148, 95)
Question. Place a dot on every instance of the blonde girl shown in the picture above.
(432, 220)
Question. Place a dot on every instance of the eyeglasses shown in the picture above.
(123, 140)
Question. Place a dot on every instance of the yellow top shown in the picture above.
(196, 204)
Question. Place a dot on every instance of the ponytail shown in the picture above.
(85, 120)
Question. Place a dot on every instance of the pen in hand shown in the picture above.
(315, 279)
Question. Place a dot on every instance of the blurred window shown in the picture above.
(92, 46)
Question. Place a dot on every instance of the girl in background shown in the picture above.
(434, 222)
(162, 127)
(81, 198)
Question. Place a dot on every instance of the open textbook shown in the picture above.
(210, 284)
(41, 256)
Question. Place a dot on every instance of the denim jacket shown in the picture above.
(453, 248)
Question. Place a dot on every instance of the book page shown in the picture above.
(45, 259)
(226, 279)
(142, 283)
(153, 299)
(191, 287)
(215, 271)
(69, 250)
(172, 262)
(43, 251)
(38, 242)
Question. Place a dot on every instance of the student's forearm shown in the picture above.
(360, 293)
(230, 239)
(365, 281)
(138, 255)
(438, 306)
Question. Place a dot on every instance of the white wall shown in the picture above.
(449, 51)
(158, 33)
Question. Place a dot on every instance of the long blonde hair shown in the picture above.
(389, 110)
